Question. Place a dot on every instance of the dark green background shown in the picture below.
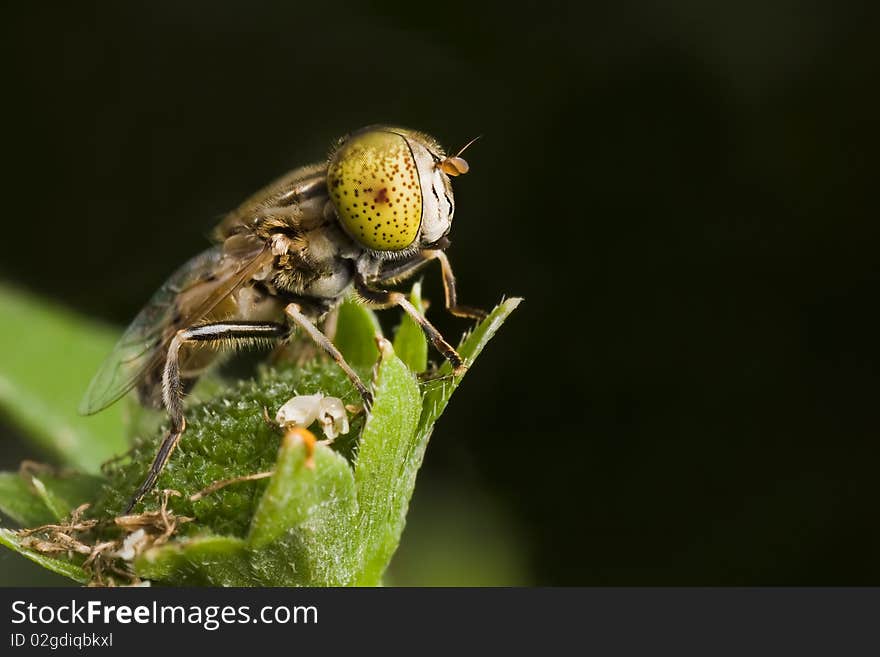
(683, 192)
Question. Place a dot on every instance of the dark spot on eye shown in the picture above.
(382, 196)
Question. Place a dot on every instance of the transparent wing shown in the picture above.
(192, 292)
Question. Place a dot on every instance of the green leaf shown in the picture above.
(47, 356)
(55, 504)
(20, 501)
(410, 344)
(226, 437)
(301, 526)
(61, 566)
(201, 561)
(30, 500)
(63, 493)
(393, 445)
(356, 331)
(384, 474)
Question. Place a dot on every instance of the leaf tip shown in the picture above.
(386, 349)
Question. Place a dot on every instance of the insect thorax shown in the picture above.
(312, 257)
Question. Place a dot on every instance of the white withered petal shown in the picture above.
(132, 545)
(333, 417)
(299, 411)
(303, 410)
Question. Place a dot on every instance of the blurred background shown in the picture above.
(683, 192)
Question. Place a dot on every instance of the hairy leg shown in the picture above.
(410, 267)
(294, 312)
(229, 335)
(386, 299)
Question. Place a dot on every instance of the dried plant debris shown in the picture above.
(61, 537)
(107, 560)
(159, 524)
(223, 483)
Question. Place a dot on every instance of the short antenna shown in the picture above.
(456, 165)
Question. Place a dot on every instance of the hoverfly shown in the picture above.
(377, 211)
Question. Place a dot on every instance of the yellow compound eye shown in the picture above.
(374, 184)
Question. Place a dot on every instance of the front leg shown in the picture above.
(410, 267)
(451, 296)
(386, 299)
(227, 335)
(294, 312)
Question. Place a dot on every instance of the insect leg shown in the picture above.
(406, 269)
(294, 312)
(218, 334)
(449, 287)
(386, 299)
